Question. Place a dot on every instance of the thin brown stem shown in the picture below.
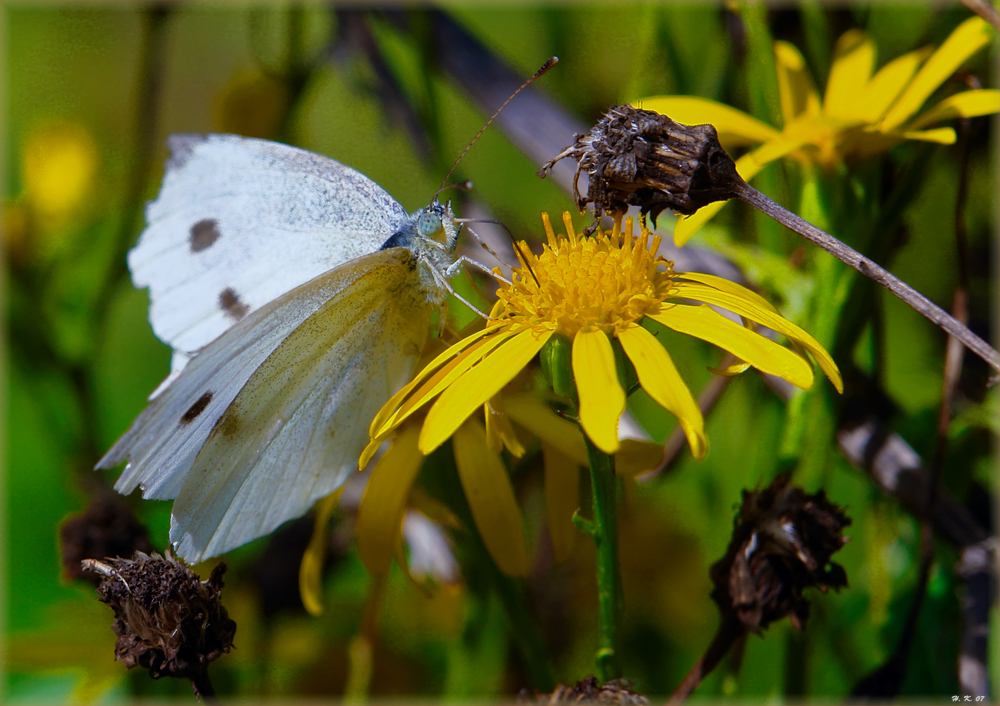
(986, 10)
(728, 633)
(868, 268)
(202, 687)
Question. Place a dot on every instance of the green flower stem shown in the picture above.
(604, 488)
(583, 524)
(603, 528)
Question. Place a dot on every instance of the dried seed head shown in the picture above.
(107, 528)
(641, 158)
(588, 691)
(782, 543)
(166, 619)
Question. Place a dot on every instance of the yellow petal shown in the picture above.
(961, 105)
(853, 61)
(491, 498)
(636, 456)
(562, 498)
(477, 385)
(404, 565)
(687, 226)
(939, 136)
(888, 82)
(744, 305)
(359, 669)
(380, 514)
(735, 127)
(633, 456)
(602, 399)
(659, 378)
(311, 568)
(493, 441)
(731, 370)
(499, 432)
(795, 86)
(727, 285)
(433, 384)
(967, 39)
(533, 414)
(432, 508)
(762, 353)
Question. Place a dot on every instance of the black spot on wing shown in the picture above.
(197, 408)
(203, 234)
(230, 425)
(229, 302)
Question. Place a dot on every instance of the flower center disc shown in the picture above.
(606, 281)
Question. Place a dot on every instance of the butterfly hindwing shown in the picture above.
(240, 221)
(297, 427)
(273, 364)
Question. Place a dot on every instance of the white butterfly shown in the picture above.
(297, 295)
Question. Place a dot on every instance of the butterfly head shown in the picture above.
(437, 223)
(430, 231)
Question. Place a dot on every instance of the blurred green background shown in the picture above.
(90, 93)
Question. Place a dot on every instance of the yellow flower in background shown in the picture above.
(861, 113)
(60, 163)
(597, 292)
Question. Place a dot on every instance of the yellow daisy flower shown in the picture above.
(861, 113)
(598, 293)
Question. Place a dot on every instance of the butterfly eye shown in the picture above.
(428, 223)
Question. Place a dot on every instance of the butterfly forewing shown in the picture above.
(240, 221)
(164, 440)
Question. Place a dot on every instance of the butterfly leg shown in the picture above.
(482, 242)
(462, 259)
(443, 281)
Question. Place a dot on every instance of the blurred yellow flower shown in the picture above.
(861, 113)
(597, 292)
(60, 162)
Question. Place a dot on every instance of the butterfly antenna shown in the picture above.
(545, 67)
(466, 185)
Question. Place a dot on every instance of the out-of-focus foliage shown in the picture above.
(78, 357)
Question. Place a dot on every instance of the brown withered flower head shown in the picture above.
(106, 528)
(167, 620)
(782, 543)
(587, 691)
(641, 158)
